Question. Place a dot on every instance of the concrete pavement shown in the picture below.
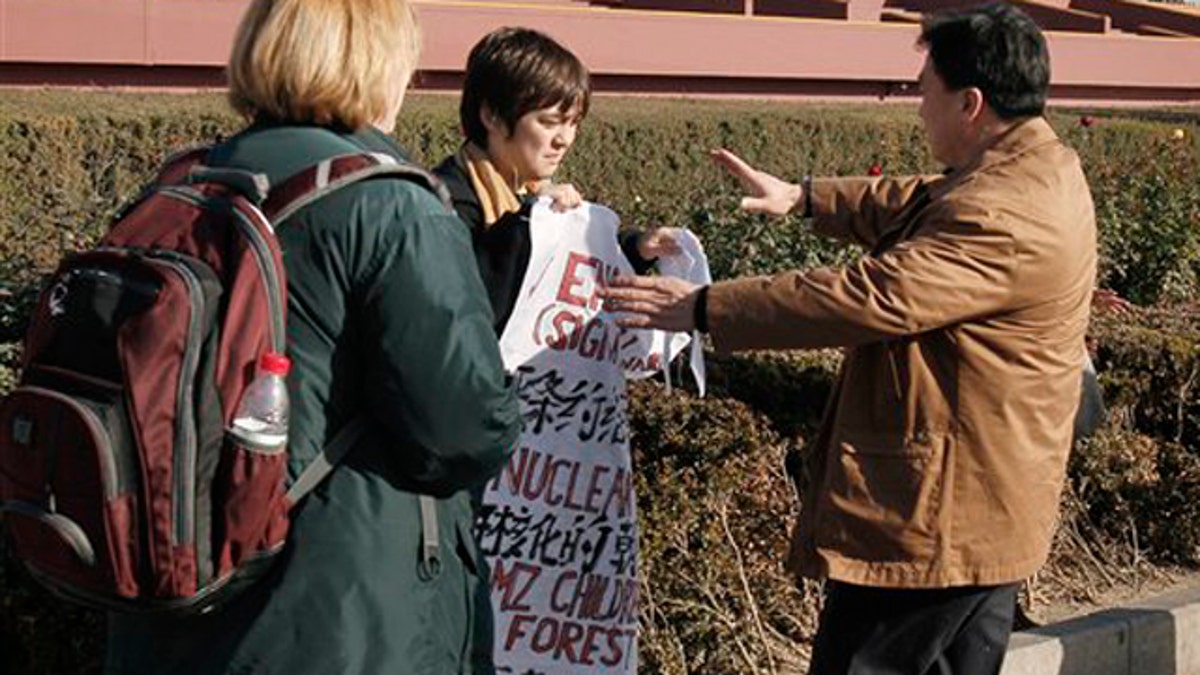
(1158, 636)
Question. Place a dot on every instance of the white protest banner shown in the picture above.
(559, 524)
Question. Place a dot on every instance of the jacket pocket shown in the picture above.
(883, 496)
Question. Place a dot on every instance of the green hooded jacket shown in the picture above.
(387, 317)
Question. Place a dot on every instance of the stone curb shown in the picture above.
(1158, 636)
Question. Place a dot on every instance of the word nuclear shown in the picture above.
(571, 484)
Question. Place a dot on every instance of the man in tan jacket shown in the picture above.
(937, 470)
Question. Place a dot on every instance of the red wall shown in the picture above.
(183, 43)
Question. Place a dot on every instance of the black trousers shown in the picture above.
(883, 631)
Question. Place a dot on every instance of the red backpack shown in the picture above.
(119, 486)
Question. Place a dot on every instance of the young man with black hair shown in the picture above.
(935, 477)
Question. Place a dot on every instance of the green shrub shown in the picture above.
(1143, 491)
(1150, 370)
(714, 510)
(67, 160)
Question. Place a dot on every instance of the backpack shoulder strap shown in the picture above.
(176, 168)
(315, 182)
(284, 200)
(323, 464)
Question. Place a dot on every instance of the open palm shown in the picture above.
(764, 193)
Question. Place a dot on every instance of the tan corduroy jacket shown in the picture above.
(941, 457)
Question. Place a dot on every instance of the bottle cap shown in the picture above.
(274, 363)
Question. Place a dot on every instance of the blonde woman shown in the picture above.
(387, 320)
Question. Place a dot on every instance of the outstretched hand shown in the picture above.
(765, 193)
(666, 303)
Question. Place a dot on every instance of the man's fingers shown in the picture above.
(639, 307)
(621, 298)
(732, 162)
(563, 196)
(622, 281)
(755, 205)
(634, 302)
(633, 321)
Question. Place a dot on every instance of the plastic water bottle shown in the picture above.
(261, 419)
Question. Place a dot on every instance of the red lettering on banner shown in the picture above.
(591, 343)
(557, 605)
(595, 597)
(594, 489)
(571, 641)
(621, 491)
(565, 497)
(640, 364)
(521, 477)
(570, 330)
(514, 471)
(589, 644)
(545, 636)
(590, 593)
(514, 584)
(570, 634)
(565, 325)
(583, 277)
(614, 645)
(571, 279)
(569, 502)
(516, 630)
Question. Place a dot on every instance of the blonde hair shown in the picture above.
(323, 61)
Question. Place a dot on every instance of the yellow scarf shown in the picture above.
(496, 195)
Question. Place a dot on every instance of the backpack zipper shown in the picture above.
(262, 255)
(275, 296)
(64, 527)
(108, 464)
(185, 435)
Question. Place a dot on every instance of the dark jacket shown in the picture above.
(387, 317)
(502, 251)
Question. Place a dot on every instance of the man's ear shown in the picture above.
(973, 103)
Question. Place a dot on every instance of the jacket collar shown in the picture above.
(1017, 140)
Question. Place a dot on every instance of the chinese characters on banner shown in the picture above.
(559, 524)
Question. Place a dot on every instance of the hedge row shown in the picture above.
(67, 161)
(715, 502)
